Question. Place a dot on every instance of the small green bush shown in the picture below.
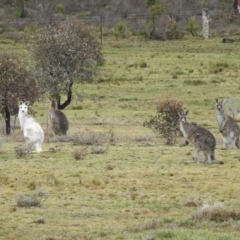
(120, 30)
(172, 31)
(60, 9)
(216, 213)
(192, 26)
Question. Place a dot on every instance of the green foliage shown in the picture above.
(172, 31)
(63, 54)
(155, 7)
(20, 8)
(151, 2)
(155, 11)
(60, 9)
(192, 26)
(120, 30)
(165, 122)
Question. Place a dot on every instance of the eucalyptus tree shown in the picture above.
(65, 54)
(155, 9)
(16, 83)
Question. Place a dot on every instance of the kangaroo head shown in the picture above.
(23, 106)
(183, 116)
(219, 105)
(53, 103)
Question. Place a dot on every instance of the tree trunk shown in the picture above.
(7, 121)
(69, 98)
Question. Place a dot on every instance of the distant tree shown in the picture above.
(156, 10)
(65, 54)
(60, 10)
(20, 8)
(16, 83)
(45, 9)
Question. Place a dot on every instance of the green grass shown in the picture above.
(137, 188)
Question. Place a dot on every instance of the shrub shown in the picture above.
(216, 212)
(165, 122)
(172, 31)
(192, 26)
(60, 9)
(120, 31)
(32, 200)
(218, 67)
(80, 153)
(98, 150)
(142, 64)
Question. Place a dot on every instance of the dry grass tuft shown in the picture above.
(39, 221)
(86, 139)
(98, 150)
(145, 226)
(193, 202)
(21, 152)
(31, 200)
(80, 153)
(216, 212)
(109, 167)
(142, 138)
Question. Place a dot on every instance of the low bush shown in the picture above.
(165, 122)
(80, 153)
(31, 200)
(216, 212)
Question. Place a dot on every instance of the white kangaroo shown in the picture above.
(227, 126)
(201, 138)
(32, 131)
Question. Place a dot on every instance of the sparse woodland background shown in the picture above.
(151, 18)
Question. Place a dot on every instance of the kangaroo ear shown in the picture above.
(216, 100)
(27, 103)
(186, 112)
(20, 102)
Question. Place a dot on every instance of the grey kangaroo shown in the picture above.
(227, 126)
(59, 120)
(201, 138)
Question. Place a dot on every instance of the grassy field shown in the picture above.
(128, 183)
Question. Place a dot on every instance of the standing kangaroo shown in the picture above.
(227, 126)
(58, 119)
(32, 131)
(202, 139)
